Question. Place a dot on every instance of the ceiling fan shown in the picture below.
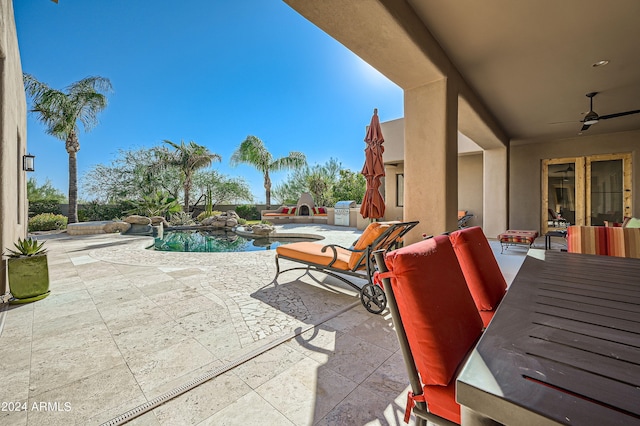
(592, 118)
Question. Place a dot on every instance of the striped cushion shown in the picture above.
(587, 239)
(623, 242)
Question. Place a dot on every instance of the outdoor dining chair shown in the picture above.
(480, 268)
(436, 321)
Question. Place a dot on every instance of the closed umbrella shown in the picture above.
(373, 170)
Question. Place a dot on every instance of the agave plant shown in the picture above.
(26, 247)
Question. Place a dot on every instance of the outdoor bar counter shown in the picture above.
(562, 348)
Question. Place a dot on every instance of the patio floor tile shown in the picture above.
(124, 325)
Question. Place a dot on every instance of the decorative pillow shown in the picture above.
(315, 210)
(285, 210)
(293, 210)
(322, 210)
(634, 222)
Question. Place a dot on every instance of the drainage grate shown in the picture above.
(150, 405)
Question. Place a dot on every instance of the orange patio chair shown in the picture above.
(436, 321)
(480, 268)
(337, 261)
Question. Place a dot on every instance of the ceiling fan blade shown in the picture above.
(585, 127)
(619, 114)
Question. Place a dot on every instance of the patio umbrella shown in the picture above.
(373, 170)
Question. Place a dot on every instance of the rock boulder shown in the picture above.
(138, 220)
(111, 227)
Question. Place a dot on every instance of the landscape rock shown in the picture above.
(111, 227)
(156, 220)
(262, 229)
(207, 221)
(138, 220)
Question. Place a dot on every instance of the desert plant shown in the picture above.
(202, 216)
(181, 218)
(242, 221)
(47, 222)
(26, 247)
(158, 203)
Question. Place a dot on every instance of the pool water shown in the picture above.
(198, 241)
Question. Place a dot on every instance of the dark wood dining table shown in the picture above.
(562, 348)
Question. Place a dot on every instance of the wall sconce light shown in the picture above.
(28, 163)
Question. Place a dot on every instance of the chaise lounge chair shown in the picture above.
(336, 261)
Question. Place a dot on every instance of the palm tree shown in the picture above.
(252, 151)
(187, 158)
(62, 111)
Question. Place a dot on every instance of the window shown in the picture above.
(400, 190)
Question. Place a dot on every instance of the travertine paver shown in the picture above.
(124, 325)
(162, 316)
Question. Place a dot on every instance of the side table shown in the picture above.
(548, 235)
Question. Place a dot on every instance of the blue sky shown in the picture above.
(211, 71)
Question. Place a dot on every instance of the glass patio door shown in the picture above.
(562, 193)
(608, 188)
(585, 190)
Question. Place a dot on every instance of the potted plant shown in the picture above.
(28, 271)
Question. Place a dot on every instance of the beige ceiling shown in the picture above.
(531, 60)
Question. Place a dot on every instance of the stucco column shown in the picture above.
(431, 158)
(495, 197)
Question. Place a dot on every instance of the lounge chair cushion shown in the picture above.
(371, 232)
(437, 310)
(312, 252)
(587, 239)
(479, 266)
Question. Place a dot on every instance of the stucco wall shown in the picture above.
(470, 168)
(13, 137)
(392, 211)
(525, 170)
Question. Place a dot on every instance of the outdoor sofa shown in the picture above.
(286, 214)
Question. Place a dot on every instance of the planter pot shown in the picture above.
(28, 278)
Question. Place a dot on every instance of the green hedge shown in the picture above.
(44, 206)
(96, 211)
(47, 222)
(248, 212)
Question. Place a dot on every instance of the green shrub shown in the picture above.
(96, 211)
(248, 212)
(43, 206)
(242, 221)
(47, 222)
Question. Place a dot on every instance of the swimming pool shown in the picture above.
(218, 241)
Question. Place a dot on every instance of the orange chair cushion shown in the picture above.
(312, 252)
(486, 317)
(479, 266)
(587, 239)
(371, 232)
(437, 310)
(441, 401)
